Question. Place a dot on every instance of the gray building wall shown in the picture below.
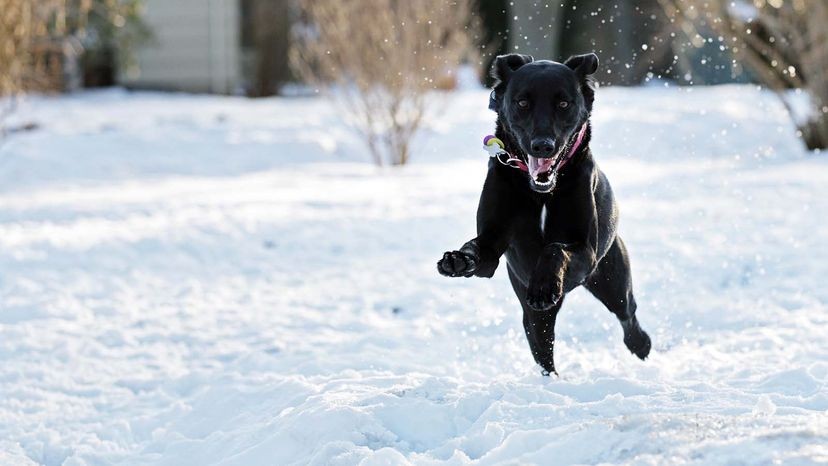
(196, 47)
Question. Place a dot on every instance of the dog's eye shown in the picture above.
(563, 104)
(523, 103)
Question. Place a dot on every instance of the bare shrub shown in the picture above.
(14, 36)
(30, 34)
(38, 37)
(784, 43)
(381, 58)
(21, 24)
(33, 32)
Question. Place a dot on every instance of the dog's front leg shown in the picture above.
(560, 268)
(478, 257)
(481, 255)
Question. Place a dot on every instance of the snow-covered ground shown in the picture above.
(208, 280)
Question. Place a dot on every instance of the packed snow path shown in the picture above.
(206, 280)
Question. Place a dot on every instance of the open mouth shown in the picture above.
(544, 171)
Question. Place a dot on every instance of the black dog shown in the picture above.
(555, 216)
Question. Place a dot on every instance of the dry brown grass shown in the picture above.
(382, 58)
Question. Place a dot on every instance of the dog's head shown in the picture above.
(542, 104)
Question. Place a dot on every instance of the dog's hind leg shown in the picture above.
(611, 283)
(539, 327)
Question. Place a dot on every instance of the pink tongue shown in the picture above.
(538, 166)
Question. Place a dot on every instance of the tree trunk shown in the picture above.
(271, 29)
(815, 132)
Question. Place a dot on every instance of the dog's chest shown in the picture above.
(543, 213)
(551, 221)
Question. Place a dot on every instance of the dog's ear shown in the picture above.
(583, 65)
(505, 65)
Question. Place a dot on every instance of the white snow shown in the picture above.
(210, 280)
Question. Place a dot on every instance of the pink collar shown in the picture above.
(516, 162)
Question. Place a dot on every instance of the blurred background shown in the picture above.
(390, 52)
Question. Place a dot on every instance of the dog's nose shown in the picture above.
(543, 146)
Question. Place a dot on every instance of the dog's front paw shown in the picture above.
(458, 264)
(544, 292)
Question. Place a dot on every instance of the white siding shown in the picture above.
(196, 47)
